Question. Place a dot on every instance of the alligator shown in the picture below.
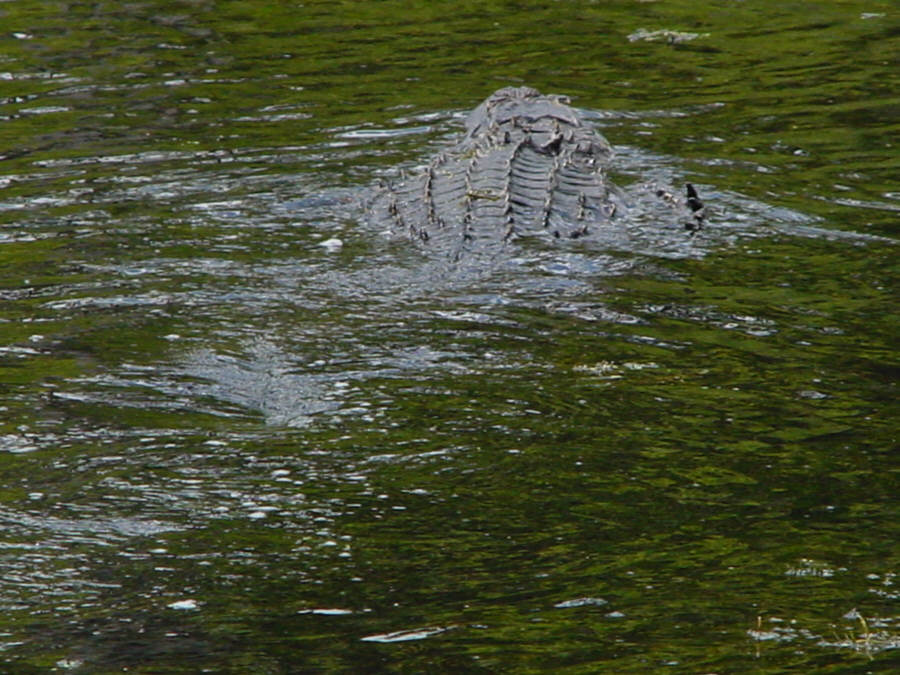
(528, 164)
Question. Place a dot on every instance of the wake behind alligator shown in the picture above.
(528, 165)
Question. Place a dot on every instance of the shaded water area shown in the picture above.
(244, 431)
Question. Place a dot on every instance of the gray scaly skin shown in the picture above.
(528, 164)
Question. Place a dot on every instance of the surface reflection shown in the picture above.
(243, 429)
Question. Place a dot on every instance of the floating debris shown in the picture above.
(327, 611)
(581, 602)
(405, 635)
(672, 37)
(332, 245)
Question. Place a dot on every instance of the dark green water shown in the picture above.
(225, 447)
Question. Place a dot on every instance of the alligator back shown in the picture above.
(527, 164)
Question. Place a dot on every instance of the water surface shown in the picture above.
(230, 444)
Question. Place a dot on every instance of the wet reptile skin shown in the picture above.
(528, 164)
